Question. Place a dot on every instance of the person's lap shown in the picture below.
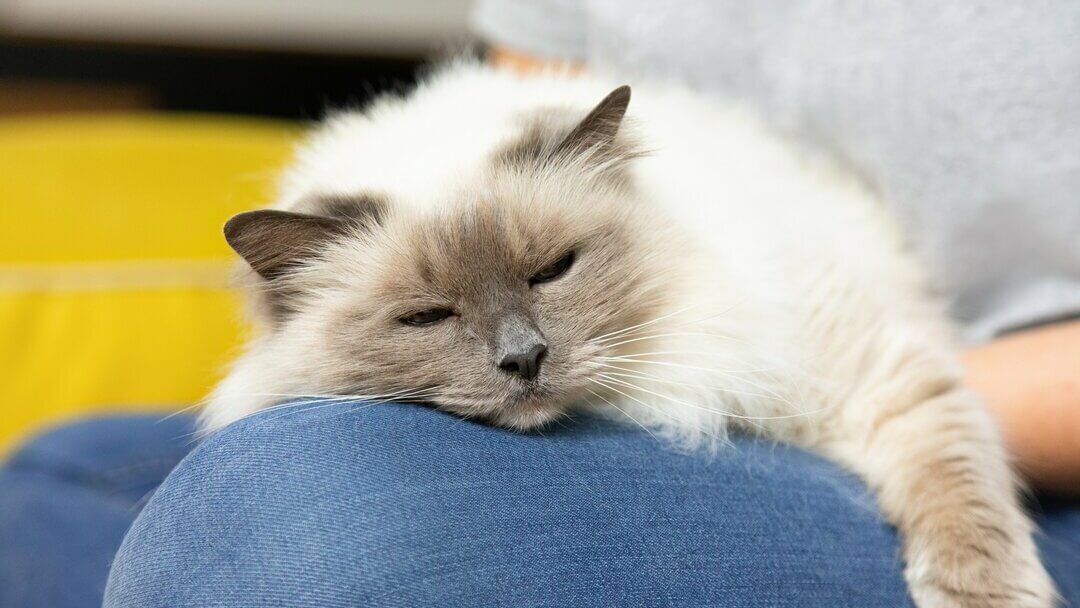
(401, 506)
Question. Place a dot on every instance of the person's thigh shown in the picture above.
(68, 496)
(394, 505)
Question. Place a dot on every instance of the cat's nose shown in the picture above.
(525, 364)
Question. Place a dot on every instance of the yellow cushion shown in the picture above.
(113, 271)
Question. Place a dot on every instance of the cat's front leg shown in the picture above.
(942, 478)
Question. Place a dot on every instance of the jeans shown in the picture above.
(68, 497)
(395, 505)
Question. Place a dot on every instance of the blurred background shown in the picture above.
(130, 130)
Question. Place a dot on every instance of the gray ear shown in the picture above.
(364, 210)
(594, 139)
(273, 241)
(599, 128)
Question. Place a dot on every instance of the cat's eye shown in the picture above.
(555, 270)
(427, 317)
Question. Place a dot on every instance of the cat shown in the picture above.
(510, 248)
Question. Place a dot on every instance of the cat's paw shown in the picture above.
(969, 577)
(934, 595)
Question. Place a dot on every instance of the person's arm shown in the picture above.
(524, 63)
(1031, 381)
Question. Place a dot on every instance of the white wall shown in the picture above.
(391, 27)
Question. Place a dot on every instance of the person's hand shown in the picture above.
(1031, 381)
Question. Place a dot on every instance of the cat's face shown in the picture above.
(494, 306)
(493, 309)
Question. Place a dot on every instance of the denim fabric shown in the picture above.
(68, 496)
(396, 505)
(400, 506)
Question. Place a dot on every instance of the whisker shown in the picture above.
(649, 407)
(643, 376)
(721, 412)
(745, 419)
(625, 413)
(672, 335)
(768, 391)
(337, 395)
(608, 377)
(718, 314)
(635, 329)
(201, 432)
(180, 411)
(613, 334)
(332, 399)
(313, 408)
(632, 359)
(293, 407)
(608, 381)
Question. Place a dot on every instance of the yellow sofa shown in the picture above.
(113, 272)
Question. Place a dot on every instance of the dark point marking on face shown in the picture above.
(365, 210)
(552, 136)
(273, 241)
(601, 125)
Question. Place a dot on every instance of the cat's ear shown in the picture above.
(362, 210)
(273, 241)
(593, 142)
(597, 131)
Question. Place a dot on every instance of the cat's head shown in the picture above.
(499, 304)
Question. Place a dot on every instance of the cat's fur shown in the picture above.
(721, 278)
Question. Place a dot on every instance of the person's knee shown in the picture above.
(397, 505)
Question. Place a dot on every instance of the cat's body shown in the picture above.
(686, 269)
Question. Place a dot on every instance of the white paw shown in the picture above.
(983, 585)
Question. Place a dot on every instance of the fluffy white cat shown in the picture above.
(506, 248)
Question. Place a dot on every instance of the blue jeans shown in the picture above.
(391, 505)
